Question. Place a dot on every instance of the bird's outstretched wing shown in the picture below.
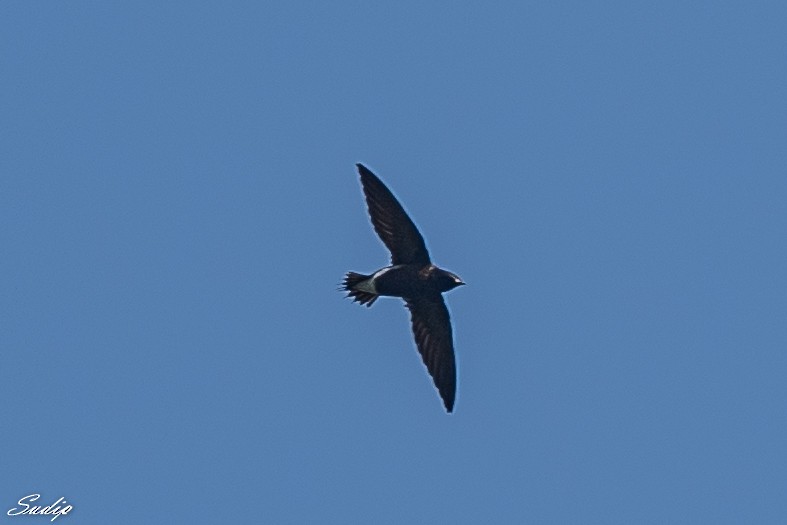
(391, 222)
(432, 330)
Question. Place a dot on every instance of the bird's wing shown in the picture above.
(391, 222)
(432, 330)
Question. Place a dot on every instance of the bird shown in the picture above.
(413, 277)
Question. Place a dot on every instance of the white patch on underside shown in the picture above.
(368, 285)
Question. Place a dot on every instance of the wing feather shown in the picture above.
(391, 222)
(432, 330)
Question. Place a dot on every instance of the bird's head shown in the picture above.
(446, 280)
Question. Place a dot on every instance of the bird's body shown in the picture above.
(414, 278)
(407, 281)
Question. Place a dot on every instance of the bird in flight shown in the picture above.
(414, 278)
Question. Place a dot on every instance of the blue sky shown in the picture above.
(178, 202)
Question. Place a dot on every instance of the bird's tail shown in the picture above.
(350, 285)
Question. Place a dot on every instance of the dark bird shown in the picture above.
(414, 278)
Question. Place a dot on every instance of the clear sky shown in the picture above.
(178, 202)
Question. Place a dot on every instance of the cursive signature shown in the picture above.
(55, 509)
